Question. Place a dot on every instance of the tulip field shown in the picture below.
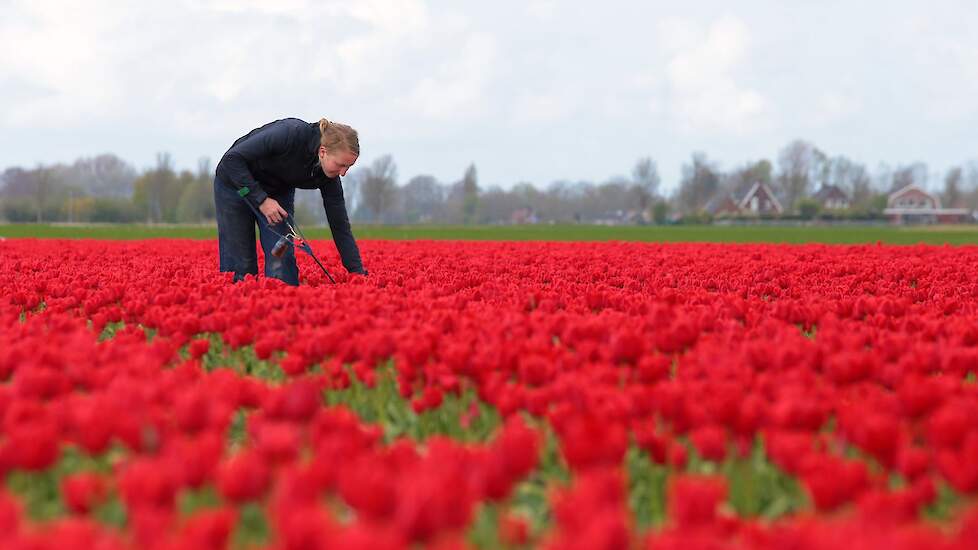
(490, 394)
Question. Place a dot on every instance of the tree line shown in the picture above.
(107, 189)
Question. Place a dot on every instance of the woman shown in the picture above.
(264, 168)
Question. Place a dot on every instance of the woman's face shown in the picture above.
(335, 163)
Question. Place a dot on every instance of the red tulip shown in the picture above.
(83, 492)
(243, 477)
(693, 500)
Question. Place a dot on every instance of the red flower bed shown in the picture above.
(850, 370)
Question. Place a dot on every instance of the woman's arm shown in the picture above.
(339, 225)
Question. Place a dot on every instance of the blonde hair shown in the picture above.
(335, 137)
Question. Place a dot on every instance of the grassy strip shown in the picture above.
(529, 500)
(383, 405)
(830, 234)
(40, 492)
(243, 360)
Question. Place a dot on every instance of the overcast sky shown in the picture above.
(527, 90)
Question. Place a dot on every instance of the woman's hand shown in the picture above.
(273, 211)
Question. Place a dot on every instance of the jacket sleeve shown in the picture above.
(339, 225)
(267, 141)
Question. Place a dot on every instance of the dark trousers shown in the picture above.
(236, 236)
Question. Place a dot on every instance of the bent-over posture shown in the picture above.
(265, 167)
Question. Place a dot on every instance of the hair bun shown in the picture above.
(336, 136)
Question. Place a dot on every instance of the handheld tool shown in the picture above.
(295, 237)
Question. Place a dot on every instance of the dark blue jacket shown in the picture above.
(283, 155)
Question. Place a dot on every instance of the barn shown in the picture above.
(757, 200)
(832, 197)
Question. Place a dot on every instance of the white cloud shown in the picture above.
(834, 106)
(439, 84)
(53, 50)
(541, 9)
(458, 86)
(701, 76)
(952, 90)
(279, 7)
(105, 59)
(392, 32)
(531, 108)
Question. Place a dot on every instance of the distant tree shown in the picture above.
(44, 188)
(799, 165)
(309, 207)
(18, 210)
(497, 205)
(524, 196)
(563, 201)
(883, 178)
(645, 182)
(570, 201)
(821, 170)
(189, 208)
(470, 194)
(158, 180)
(41, 191)
(17, 183)
(185, 183)
(952, 195)
(739, 181)
(808, 208)
(761, 172)
(971, 176)
(378, 185)
(700, 181)
(157, 191)
(351, 192)
(971, 185)
(77, 206)
(104, 175)
(911, 174)
(422, 198)
(114, 210)
(863, 190)
(612, 198)
(660, 212)
(852, 178)
(878, 203)
(306, 213)
(204, 171)
(528, 195)
(196, 202)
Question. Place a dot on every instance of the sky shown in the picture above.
(530, 91)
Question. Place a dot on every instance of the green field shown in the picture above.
(849, 234)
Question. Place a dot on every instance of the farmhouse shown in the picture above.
(912, 204)
(757, 200)
(832, 197)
